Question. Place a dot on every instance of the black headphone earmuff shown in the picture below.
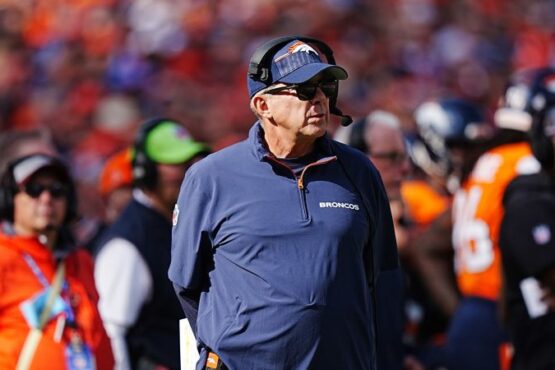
(7, 192)
(145, 174)
(260, 65)
(356, 137)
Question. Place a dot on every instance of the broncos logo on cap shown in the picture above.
(297, 47)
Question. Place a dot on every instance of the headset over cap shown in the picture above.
(294, 60)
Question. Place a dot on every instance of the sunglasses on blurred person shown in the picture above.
(35, 189)
(393, 157)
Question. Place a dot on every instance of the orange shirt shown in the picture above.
(477, 214)
(423, 202)
(18, 283)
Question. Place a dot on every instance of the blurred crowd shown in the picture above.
(88, 71)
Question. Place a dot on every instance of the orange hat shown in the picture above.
(117, 172)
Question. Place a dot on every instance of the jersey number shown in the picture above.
(471, 237)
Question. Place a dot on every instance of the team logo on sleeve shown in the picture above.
(175, 215)
(541, 234)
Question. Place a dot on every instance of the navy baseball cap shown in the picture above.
(295, 63)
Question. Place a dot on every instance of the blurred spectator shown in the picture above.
(379, 135)
(385, 145)
(386, 148)
(48, 308)
(137, 301)
(115, 119)
(116, 181)
(115, 187)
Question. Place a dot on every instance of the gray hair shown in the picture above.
(384, 118)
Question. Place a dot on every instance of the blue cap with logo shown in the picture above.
(295, 63)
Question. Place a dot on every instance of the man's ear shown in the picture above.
(260, 105)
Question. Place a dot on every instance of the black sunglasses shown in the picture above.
(307, 91)
(34, 190)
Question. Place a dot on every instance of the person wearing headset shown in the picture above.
(380, 136)
(137, 301)
(526, 235)
(48, 300)
(283, 250)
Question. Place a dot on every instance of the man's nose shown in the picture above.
(319, 95)
(405, 165)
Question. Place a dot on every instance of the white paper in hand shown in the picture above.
(187, 346)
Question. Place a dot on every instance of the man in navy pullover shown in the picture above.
(283, 251)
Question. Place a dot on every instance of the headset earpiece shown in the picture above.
(356, 137)
(145, 174)
(6, 195)
(260, 65)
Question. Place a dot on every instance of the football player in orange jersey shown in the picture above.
(444, 126)
(526, 236)
(425, 198)
(475, 336)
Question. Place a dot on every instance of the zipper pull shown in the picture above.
(300, 183)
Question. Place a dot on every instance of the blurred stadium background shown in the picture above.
(89, 71)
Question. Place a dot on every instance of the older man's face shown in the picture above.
(297, 115)
(388, 153)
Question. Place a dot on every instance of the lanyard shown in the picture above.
(44, 281)
(36, 270)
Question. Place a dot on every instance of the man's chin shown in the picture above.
(315, 131)
(51, 227)
(394, 194)
(48, 227)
